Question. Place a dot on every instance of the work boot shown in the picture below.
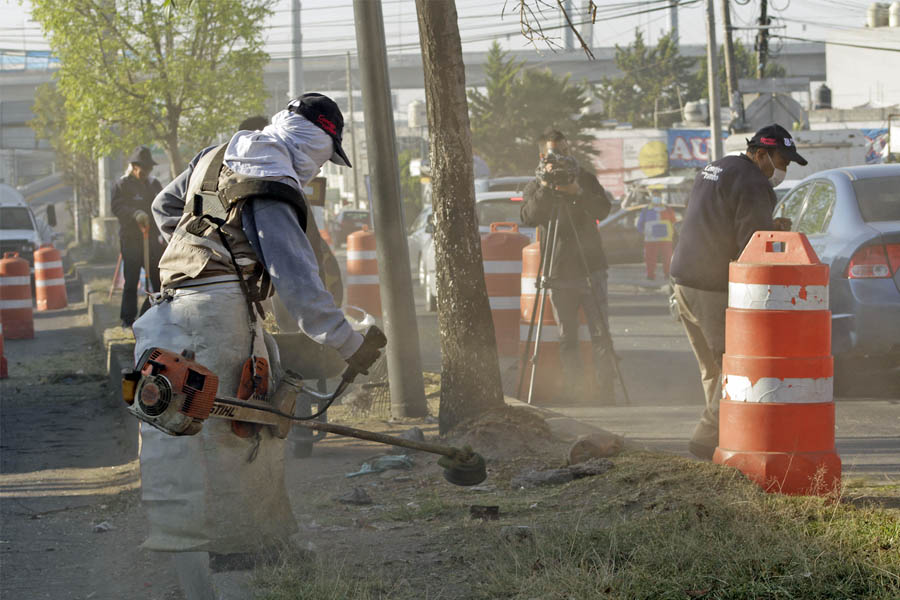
(704, 440)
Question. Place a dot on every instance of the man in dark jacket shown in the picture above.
(732, 198)
(132, 196)
(579, 205)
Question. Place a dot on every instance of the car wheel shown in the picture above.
(430, 299)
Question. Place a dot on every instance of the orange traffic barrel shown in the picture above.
(501, 250)
(49, 279)
(3, 372)
(776, 417)
(362, 272)
(548, 381)
(15, 297)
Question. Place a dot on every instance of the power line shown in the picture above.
(830, 43)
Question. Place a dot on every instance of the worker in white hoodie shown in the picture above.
(235, 224)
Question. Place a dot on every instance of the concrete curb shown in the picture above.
(119, 354)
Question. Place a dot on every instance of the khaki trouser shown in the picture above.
(703, 316)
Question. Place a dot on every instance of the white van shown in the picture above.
(20, 231)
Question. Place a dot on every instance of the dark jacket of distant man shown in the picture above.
(132, 196)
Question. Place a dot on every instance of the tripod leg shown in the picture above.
(602, 321)
(548, 269)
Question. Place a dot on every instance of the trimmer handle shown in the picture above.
(373, 340)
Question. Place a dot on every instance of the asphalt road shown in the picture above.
(664, 384)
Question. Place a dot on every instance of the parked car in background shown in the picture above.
(782, 189)
(346, 222)
(852, 219)
(418, 238)
(502, 184)
(622, 242)
(20, 230)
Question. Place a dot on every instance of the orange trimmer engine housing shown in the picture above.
(170, 391)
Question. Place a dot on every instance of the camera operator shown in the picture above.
(563, 185)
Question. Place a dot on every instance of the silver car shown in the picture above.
(490, 207)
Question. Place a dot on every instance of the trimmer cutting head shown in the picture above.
(466, 468)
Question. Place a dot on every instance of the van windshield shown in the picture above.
(15, 217)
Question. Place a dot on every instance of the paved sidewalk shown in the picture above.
(867, 431)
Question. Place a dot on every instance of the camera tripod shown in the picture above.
(542, 285)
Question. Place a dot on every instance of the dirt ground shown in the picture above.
(72, 522)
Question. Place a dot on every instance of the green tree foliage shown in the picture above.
(652, 81)
(137, 71)
(517, 105)
(745, 64)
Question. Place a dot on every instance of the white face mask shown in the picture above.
(778, 175)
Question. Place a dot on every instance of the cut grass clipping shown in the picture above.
(653, 527)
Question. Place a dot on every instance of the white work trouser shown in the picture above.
(214, 491)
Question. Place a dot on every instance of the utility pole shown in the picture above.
(570, 39)
(350, 126)
(735, 99)
(404, 364)
(673, 20)
(762, 40)
(712, 64)
(295, 62)
(587, 28)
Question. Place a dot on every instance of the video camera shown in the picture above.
(557, 169)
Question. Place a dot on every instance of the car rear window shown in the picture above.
(14, 217)
(878, 198)
(497, 211)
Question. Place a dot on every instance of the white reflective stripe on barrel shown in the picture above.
(15, 280)
(53, 264)
(761, 296)
(49, 282)
(550, 333)
(790, 390)
(362, 279)
(505, 303)
(502, 266)
(529, 285)
(361, 255)
(14, 304)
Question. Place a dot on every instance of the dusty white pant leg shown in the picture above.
(213, 491)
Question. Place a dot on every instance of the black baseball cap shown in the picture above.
(776, 136)
(322, 111)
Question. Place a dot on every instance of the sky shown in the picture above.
(327, 25)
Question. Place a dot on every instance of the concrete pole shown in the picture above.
(762, 40)
(735, 101)
(351, 128)
(398, 307)
(569, 35)
(673, 20)
(587, 28)
(712, 64)
(295, 62)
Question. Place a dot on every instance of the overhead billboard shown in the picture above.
(689, 148)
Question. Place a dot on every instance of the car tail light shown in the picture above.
(893, 252)
(871, 262)
(516, 199)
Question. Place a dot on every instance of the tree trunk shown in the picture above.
(470, 371)
(173, 152)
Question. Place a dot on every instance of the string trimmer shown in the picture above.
(176, 394)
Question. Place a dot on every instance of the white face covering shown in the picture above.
(290, 147)
(778, 175)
